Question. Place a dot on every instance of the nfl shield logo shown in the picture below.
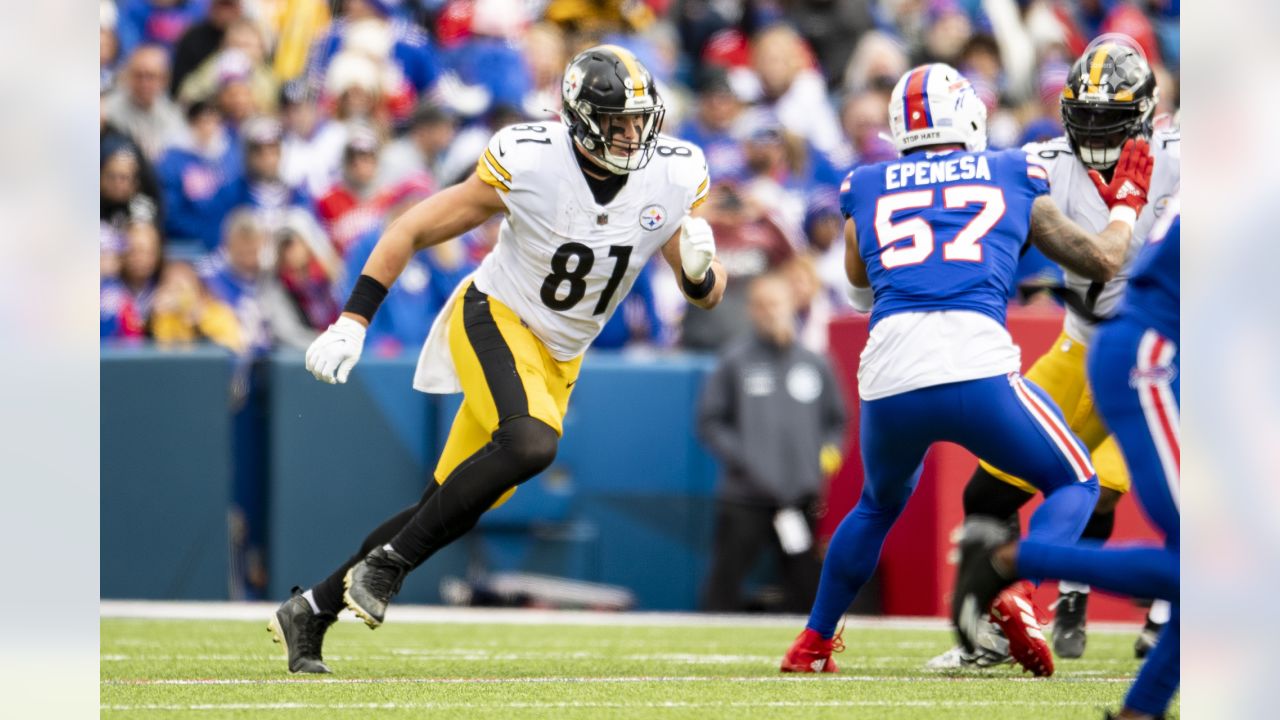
(602, 219)
(653, 217)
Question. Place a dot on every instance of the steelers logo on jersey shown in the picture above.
(653, 217)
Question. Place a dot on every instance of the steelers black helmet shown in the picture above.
(1110, 97)
(612, 108)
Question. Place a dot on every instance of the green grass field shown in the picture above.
(210, 669)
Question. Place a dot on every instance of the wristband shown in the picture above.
(1125, 214)
(365, 298)
(697, 291)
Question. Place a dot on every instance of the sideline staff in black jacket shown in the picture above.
(773, 415)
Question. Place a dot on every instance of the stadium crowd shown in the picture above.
(252, 150)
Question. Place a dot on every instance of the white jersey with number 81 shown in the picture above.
(563, 262)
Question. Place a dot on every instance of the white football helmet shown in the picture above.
(935, 105)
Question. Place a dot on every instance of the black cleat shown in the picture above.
(977, 581)
(301, 631)
(1106, 715)
(371, 583)
(1069, 637)
(1146, 638)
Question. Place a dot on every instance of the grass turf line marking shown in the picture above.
(602, 705)
(415, 614)
(627, 679)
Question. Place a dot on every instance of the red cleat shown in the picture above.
(810, 653)
(1015, 612)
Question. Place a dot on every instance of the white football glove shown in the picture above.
(337, 350)
(697, 248)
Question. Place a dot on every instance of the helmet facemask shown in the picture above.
(621, 140)
(1110, 97)
(612, 108)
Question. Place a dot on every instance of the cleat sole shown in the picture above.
(360, 612)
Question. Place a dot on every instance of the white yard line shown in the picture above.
(596, 680)
(602, 705)
(163, 610)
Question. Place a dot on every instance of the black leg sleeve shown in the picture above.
(1100, 527)
(992, 497)
(521, 448)
(328, 592)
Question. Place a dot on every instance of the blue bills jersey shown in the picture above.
(1153, 295)
(943, 231)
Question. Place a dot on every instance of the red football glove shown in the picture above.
(1131, 178)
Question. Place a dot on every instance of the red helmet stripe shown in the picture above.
(914, 101)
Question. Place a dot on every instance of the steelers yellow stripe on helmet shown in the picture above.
(1095, 67)
(633, 67)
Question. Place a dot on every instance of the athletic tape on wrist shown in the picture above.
(366, 297)
(1124, 214)
(697, 291)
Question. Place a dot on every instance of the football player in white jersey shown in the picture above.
(1110, 97)
(587, 203)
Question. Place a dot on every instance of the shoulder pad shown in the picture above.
(514, 150)
(1167, 143)
(685, 167)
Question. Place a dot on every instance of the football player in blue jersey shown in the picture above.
(932, 242)
(1133, 365)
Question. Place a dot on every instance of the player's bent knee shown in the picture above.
(988, 495)
(1107, 501)
(528, 444)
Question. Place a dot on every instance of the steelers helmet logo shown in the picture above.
(573, 83)
(653, 217)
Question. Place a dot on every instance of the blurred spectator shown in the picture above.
(772, 414)
(121, 200)
(748, 244)
(232, 80)
(824, 233)
(159, 22)
(796, 92)
(140, 267)
(865, 120)
(186, 311)
(489, 58)
(357, 89)
(714, 125)
(546, 53)
(112, 139)
(775, 163)
(421, 150)
(635, 320)
(140, 107)
(118, 316)
(877, 63)
(312, 146)
(345, 210)
(814, 306)
(202, 39)
(300, 302)
(262, 186)
(832, 29)
(1046, 123)
(408, 47)
(234, 275)
(193, 174)
(423, 289)
(598, 17)
(947, 27)
(242, 59)
(108, 43)
(296, 26)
